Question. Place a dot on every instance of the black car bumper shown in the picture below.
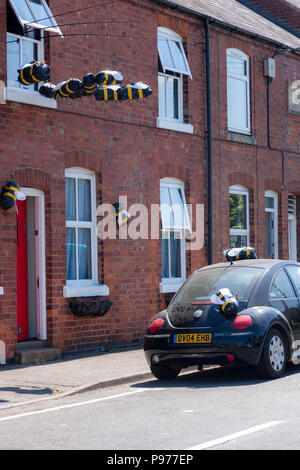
(240, 347)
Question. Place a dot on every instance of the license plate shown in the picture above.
(192, 338)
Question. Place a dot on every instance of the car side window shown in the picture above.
(281, 287)
(294, 272)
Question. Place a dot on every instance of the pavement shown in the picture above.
(73, 374)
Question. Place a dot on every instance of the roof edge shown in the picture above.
(223, 24)
(271, 18)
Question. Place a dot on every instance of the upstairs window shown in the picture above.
(238, 91)
(34, 14)
(26, 21)
(172, 66)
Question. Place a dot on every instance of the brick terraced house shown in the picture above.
(221, 131)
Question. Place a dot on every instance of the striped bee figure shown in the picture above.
(121, 215)
(107, 93)
(10, 194)
(134, 91)
(236, 254)
(89, 84)
(68, 89)
(47, 90)
(229, 305)
(108, 77)
(35, 72)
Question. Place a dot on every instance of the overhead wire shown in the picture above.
(83, 23)
(72, 11)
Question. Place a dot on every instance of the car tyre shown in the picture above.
(274, 355)
(163, 372)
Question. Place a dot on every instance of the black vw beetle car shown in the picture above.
(262, 330)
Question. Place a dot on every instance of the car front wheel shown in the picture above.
(274, 355)
(163, 372)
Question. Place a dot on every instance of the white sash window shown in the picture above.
(174, 222)
(238, 91)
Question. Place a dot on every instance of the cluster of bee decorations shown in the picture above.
(105, 85)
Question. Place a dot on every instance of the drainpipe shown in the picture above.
(209, 139)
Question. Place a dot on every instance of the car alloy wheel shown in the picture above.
(276, 352)
(274, 355)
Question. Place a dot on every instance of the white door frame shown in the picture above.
(40, 260)
(292, 226)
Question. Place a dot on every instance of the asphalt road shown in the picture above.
(217, 409)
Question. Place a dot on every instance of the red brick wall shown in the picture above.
(255, 167)
(129, 154)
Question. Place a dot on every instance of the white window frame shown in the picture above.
(163, 121)
(36, 24)
(40, 53)
(169, 103)
(19, 93)
(237, 189)
(274, 195)
(172, 284)
(246, 78)
(165, 34)
(86, 287)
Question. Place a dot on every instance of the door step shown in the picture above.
(36, 352)
(31, 344)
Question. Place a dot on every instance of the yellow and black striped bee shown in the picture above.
(122, 215)
(228, 303)
(107, 93)
(134, 91)
(69, 89)
(34, 72)
(47, 90)
(108, 77)
(89, 84)
(10, 194)
(236, 254)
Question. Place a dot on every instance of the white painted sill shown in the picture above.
(86, 291)
(1, 291)
(174, 126)
(20, 95)
(168, 287)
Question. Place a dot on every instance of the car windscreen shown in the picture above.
(240, 280)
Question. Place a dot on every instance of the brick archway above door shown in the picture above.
(33, 178)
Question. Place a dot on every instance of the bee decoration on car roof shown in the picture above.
(236, 254)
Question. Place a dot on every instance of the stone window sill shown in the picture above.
(241, 138)
(33, 98)
(94, 290)
(174, 126)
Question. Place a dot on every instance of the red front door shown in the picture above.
(22, 275)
